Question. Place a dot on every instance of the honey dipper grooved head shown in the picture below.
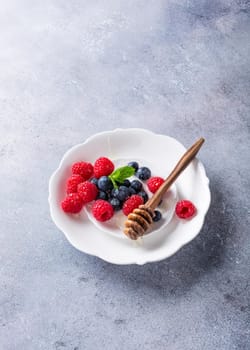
(135, 226)
(130, 233)
(139, 219)
(138, 222)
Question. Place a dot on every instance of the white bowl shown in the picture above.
(106, 241)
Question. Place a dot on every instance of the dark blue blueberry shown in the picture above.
(105, 184)
(144, 196)
(132, 190)
(94, 181)
(134, 165)
(122, 194)
(116, 204)
(157, 216)
(126, 183)
(123, 188)
(114, 193)
(136, 185)
(102, 195)
(143, 173)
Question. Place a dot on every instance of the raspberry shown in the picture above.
(154, 183)
(131, 203)
(83, 168)
(73, 182)
(185, 209)
(87, 191)
(103, 167)
(72, 203)
(102, 210)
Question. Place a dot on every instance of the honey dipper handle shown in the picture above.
(180, 166)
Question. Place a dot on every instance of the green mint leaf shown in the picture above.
(116, 174)
(120, 174)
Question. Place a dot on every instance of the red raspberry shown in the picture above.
(87, 191)
(72, 203)
(185, 209)
(102, 210)
(131, 203)
(83, 168)
(154, 183)
(73, 182)
(103, 167)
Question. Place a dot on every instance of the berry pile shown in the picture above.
(113, 189)
(116, 192)
(185, 209)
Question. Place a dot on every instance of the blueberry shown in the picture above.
(116, 204)
(132, 190)
(102, 195)
(122, 194)
(134, 165)
(157, 216)
(126, 183)
(105, 184)
(94, 181)
(123, 188)
(144, 196)
(136, 185)
(143, 173)
(114, 193)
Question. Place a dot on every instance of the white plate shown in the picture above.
(160, 153)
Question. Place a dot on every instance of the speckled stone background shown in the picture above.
(69, 69)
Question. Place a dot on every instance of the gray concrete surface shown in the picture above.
(69, 69)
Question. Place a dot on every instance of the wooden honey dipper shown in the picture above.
(141, 218)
